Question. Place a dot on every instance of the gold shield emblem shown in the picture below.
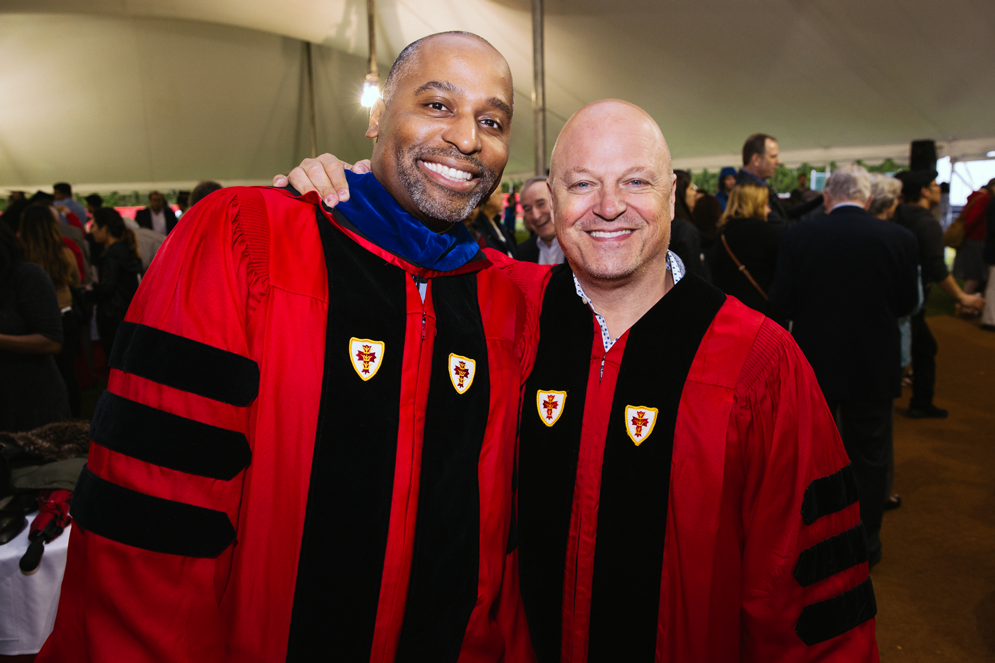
(461, 372)
(639, 422)
(550, 404)
(366, 356)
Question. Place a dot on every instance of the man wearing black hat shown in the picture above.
(921, 192)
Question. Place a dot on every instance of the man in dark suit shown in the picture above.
(158, 216)
(844, 280)
(760, 162)
(542, 246)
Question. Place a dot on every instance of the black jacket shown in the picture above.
(781, 216)
(528, 251)
(118, 281)
(685, 241)
(929, 234)
(844, 280)
(499, 240)
(143, 217)
(755, 244)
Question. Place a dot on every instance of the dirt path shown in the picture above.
(936, 583)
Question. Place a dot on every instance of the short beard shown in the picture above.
(451, 206)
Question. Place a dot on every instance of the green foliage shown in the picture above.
(885, 167)
(706, 181)
(115, 199)
(785, 179)
(133, 199)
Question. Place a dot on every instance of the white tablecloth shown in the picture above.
(28, 603)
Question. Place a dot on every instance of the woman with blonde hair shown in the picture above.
(744, 256)
(43, 245)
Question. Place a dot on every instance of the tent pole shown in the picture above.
(372, 75)
(538, 87)
(371, 27)
(310, 96)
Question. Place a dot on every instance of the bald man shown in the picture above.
(683, 492)
(307, 445)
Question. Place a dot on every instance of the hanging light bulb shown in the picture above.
(371, 91)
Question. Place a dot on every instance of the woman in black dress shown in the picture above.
(43, 245)
(685, 240)
(746, 248)
(120, 265)
(32, 392)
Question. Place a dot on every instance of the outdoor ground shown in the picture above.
(935, 586)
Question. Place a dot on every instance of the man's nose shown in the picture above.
(611, 203)
(463, 133)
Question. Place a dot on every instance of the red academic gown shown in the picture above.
(297, 457)
(684, 496)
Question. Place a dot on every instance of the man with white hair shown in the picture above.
(844, 280)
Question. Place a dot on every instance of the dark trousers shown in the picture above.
(866, 429)
(66, 359)
(923, 362)
(107, 330)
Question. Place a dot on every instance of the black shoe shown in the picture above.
(990, 328)
(873, 558)
(928, 412)
(11, 526)
(893, 502)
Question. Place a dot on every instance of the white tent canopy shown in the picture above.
(134, 94)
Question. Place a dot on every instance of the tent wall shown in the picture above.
(131, 101)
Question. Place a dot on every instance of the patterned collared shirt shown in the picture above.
(674, 266)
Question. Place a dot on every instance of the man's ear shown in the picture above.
(867, 205)
(673, 194)
(373, 131)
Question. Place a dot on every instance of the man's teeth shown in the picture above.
(606, 234)
(446, 171)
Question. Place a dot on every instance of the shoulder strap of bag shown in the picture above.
(742, 267)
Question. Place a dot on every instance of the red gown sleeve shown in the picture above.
(530, 279)
(806, 594)
(157, 505)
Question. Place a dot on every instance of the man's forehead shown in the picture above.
(615, 153)
(460, 64)
(611, 138)
(536, 190)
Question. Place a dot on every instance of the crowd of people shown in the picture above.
(66, 270)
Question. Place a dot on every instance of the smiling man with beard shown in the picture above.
(683, 493)
(307, 444)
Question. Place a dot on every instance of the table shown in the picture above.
(28, 603)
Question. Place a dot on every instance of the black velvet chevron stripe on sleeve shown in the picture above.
(185, 364)
(168, 440)
(829, 557)
(150, 523)
(827, 619)
(829, 494)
